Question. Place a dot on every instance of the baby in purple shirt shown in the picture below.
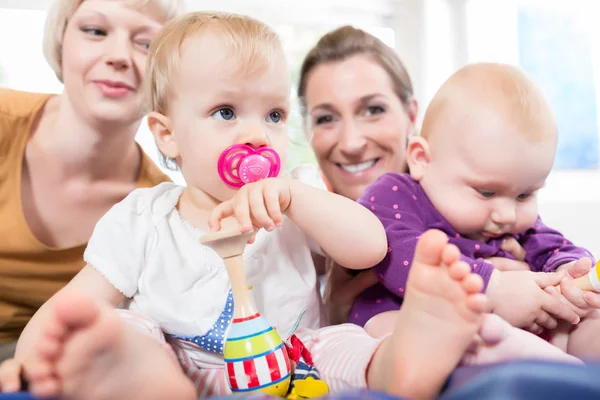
(487, 146)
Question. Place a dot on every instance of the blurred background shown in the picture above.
(556, 41)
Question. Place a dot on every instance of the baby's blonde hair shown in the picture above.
(60, 11)
(502, 88)
(252, 43)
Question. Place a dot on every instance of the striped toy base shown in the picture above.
(255, 357)
(278, 389)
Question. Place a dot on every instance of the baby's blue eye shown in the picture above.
(274, 117)
(224, 114)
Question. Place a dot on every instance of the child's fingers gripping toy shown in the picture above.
(591, 280)
(256, 358)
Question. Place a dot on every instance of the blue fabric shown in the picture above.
(213, 340)
(350, 395)
(510, 381)
(525, 381)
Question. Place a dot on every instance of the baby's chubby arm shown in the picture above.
(346, 231)
(546, 249)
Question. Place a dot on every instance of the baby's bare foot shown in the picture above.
(499, 341)
(87, 352)
(439, 318)
(40, 366)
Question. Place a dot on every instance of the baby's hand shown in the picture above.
(582, 302)
(519, 298)
(507, 264)
(513, 247)
(260, 204)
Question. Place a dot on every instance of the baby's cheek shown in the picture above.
(464, 217)
(526, 217)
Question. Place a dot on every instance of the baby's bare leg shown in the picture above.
(382, 324)
(584, 338)
(499, 341)
(560, 335)
(440, 316)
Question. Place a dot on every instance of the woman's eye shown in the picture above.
(324, 119)
(144, 44)
(373, 110)
(94, 31)
(224, 114)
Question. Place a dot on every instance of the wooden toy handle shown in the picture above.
(243, 306)
(229, 245)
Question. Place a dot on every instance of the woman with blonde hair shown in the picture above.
(68, 158)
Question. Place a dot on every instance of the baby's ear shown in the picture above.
(160, 126)
(418, 157)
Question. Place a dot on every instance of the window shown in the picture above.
(558, 45)
(556, 48)
(22, 63)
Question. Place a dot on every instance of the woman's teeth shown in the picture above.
(356, 168)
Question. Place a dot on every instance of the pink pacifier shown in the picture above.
(240, 164)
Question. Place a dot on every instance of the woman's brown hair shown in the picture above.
(347, 41)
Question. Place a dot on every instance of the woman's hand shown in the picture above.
(342, 287)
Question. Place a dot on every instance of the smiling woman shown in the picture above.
(68, 158)
(358, 103)
(95, 30)
(359, 111)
